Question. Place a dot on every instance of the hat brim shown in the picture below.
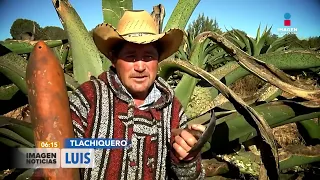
(105, 37)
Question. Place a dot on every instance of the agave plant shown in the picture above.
(229, 71)
(239, 121)
(259, 98)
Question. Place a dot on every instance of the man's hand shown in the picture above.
(185, 141)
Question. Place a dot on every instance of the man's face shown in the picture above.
(137, 66)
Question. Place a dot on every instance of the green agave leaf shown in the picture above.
(13, 67)
(56, 52)
(236, 41)
(261, 42)
(113, 10)
(253, 46)
(239, 128)
(279, 43)
(181, 14)
(302, 117)
(189, 40)
(213, 54)
(71, 82)
(11, 143)
(206, 53)
(258, 34)
(312, 128)
(206, 45)
(8, 91)
(297, 118)
(185, 87)
(25, 175)
(296, 155)
(5, 121)
(22, 128)
(292, 59)
(185, 49)
(214, 60)
(268, 93)
(244, 38)
(64, 55)
(7, 133)
(182, 54)
(21, 47)
(198, 57)
(86, 59)
(201, 56)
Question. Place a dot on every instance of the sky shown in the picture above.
(245, 15)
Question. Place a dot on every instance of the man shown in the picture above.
(131, 102)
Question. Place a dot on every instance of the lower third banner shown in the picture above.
(34, 158)
(37, 158)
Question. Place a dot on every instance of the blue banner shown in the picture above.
(95, 143)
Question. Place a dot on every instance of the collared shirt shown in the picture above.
(152, 97)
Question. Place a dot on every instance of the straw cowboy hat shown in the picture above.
(137, 27)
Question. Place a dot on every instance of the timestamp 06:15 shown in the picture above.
(48, 144)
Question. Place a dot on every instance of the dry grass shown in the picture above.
(16, 113)
(247, 86)
(287, 135)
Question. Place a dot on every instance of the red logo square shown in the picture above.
(287, 22)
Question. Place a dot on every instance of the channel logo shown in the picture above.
(287, 26)
(287, 21)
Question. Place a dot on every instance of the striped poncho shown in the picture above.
(100, 108)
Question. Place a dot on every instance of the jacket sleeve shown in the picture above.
(81, 108)
(186, 170)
